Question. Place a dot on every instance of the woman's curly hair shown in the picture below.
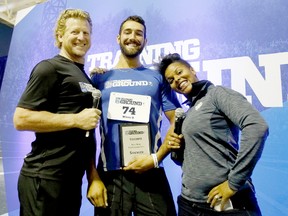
(169, 59)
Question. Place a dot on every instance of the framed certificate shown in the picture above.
(134, 140)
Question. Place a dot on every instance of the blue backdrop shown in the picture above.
(240, 44)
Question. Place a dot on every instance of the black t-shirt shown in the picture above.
(58, 85)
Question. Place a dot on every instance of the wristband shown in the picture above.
(155, 160)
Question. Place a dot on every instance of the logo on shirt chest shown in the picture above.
(126, 83)
(198, 106)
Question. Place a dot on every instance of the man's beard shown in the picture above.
(131, 53)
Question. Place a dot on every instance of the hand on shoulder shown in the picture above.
(97, 70)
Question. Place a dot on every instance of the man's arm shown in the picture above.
(96, 192)
(43, 121)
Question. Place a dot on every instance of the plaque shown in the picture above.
(134, 141)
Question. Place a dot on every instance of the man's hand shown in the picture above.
(98, 70)
(221, 192)
(87, 119)
(97, 194)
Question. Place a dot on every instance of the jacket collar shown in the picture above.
(199, 89)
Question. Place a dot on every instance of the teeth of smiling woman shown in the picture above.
(182, 84)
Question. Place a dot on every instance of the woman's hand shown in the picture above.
(140, 164)
(221, 192)
(173, 141)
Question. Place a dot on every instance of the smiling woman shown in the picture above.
(211, 133)
(178, 73)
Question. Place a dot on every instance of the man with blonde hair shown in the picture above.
(56, 105)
